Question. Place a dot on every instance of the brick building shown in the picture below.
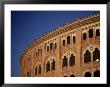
(70, 50)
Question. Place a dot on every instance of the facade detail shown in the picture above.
(71, 50)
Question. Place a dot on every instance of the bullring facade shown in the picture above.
(71, 50)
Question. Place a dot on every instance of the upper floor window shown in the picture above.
(48, 66)
(72, 60)
(65, 76)
(68, 40)
(36, 70)
(36, 54)
(39, 69)
(97, 32)
(47, 48)
(51, 45)
(53, 65)
(87, 57)
(96, 55)
(73, 39)
(38, 50)
(28, 74)
(65, 62)
(72, 75)
(55, 45)
(87, 74)
(97, 73)
(63, 42)
(84, 36)
(90, 33)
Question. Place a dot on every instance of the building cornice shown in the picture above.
(79, 22)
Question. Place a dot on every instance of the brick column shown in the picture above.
(43, 60)
(78, 51)
(58, 56)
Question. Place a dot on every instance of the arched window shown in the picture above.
(84, 36)
(53, 65)
(97, 32)
(28, 74)
(65, 62)
(47, 48)
(63, 42)
(90, 33)
(48, 66)
(39, 69)
(72, 60)
(65, 76)
(51, 45)
(72, 75)
(36, 54)
(36, 70)
(38, 51)
(87, 74)
(87, 57)
(97, 73)
(74, 39)
(55, 45)
(96, 54)
(68, 40)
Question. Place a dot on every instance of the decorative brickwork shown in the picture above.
(71, 50)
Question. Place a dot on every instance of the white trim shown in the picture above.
(56, 80)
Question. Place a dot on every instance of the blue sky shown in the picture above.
(26, 26)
